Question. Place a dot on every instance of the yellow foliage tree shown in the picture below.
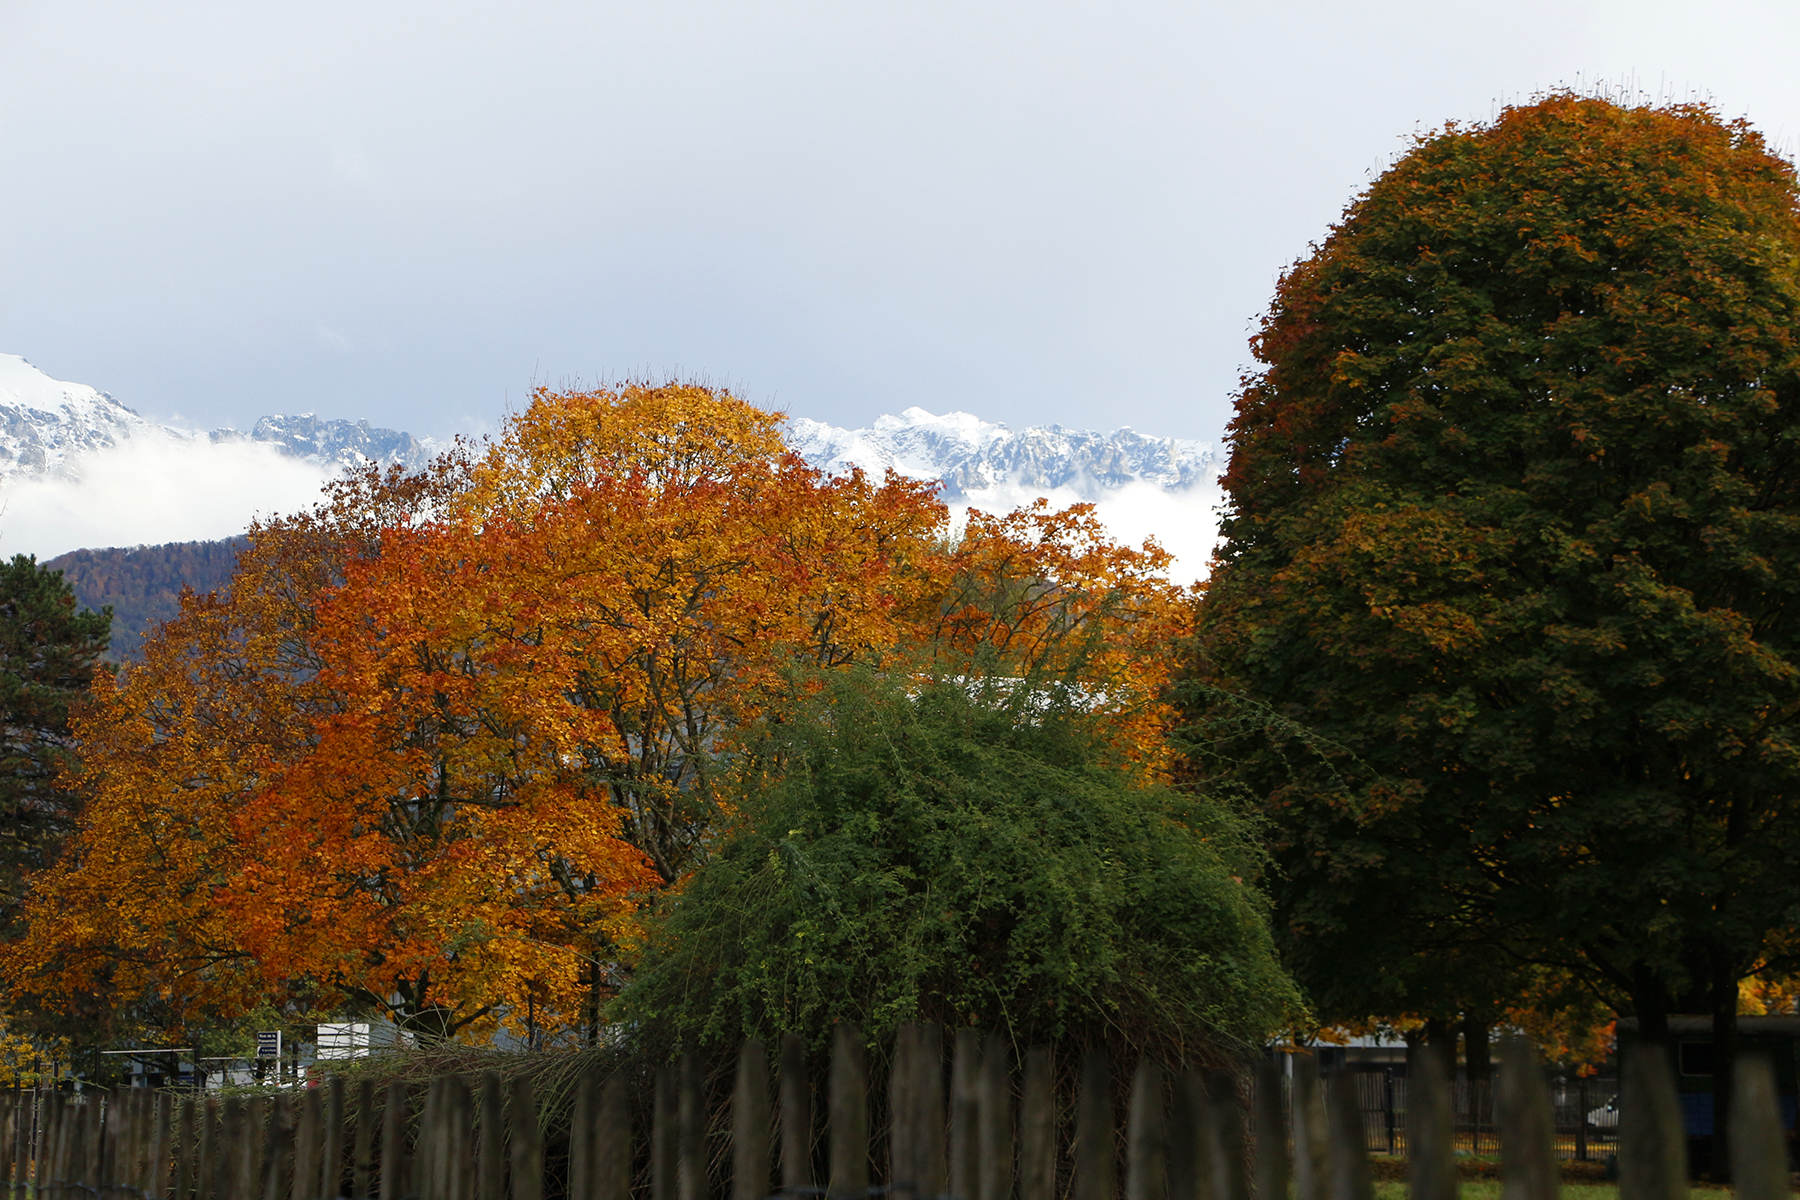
(443, 733)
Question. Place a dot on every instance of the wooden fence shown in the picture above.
(979, 1131)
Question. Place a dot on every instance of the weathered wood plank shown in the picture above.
(612, 1153)
(664, 1139)
(490, 1159)
(1528, 1169)
(395, 1182)
(331, 1141)
(796, 1115)
(1311, 1134)
(1094, 1170)
(1652, 1145)
(1759, 1159)
(1271, 1168)
(527, 1142)
(849, 1112)
(1431, 1129)
(308, 1134)
(751, 1123)
(691, 1147)
(1146, 1137)
(1037, 1126)
(965, 1109)
(1347, 1155)
(994, 1143)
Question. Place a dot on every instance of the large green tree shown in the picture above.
(1515, 532)
(48, 655)
(931, 854)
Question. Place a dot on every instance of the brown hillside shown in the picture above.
(143, 583)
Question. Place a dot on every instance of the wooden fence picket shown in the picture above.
(612, 1155)
(1224, 1141)
(690, 1171)
(905, 1121)
(994, 1116)
(1189, 1172)
(1652, 1142)
(308, 1134)
(1431, 1129)
(965, 1109)
(1094, 1130)
(527, 1142)
(1347, 1154)
(849, 1119)
(751, 1123)
(1527, 1128)
(362, 1149)
(490, 1155)
(1037, 1127)
(331, 1142)
(1146, 1137)
(796, 1117)
(966, 1126)
(1758, 1144)
(663, 1138)
(1270, 1164)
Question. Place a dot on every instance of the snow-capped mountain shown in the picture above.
(47, 426)
(80, 469)
(975, 458)
(45, 422)
(1141, 486)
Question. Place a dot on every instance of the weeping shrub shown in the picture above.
(966, 859)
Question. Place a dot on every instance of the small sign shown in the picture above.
(268, 1043)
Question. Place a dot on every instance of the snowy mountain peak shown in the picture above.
(973, 456)
(44, 422)
(78, 468)
(46, 425)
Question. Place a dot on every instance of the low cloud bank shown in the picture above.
(152, 490)
(149, 491)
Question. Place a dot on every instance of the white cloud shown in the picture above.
(153, 490)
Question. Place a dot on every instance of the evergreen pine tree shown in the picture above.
(48, 655)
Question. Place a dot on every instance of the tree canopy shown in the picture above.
(966, 855)
(49, 655)
(442, 735)
(1515, 532)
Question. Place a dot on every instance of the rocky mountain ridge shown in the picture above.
(47, 425)
(975, 457)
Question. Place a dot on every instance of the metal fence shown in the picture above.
(1585, 1115)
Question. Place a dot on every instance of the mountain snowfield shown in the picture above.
(80, 469)
(1141, 486)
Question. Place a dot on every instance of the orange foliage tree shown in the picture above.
(443, 733)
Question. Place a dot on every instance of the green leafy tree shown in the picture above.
(1515, 528)
(966, 859)
(48, 655)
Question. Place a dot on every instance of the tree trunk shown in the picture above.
(1477, 1048)
(1438, 1036)
(1724, 1061)
(1415, 1056)
(1650, 1005)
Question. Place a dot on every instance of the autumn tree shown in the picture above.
(1515, 534)
(443, 734)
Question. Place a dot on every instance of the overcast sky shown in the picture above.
(1035, 211)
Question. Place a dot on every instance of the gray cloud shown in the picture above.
(1036, 212)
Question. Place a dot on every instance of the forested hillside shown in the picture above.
(143, 583)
